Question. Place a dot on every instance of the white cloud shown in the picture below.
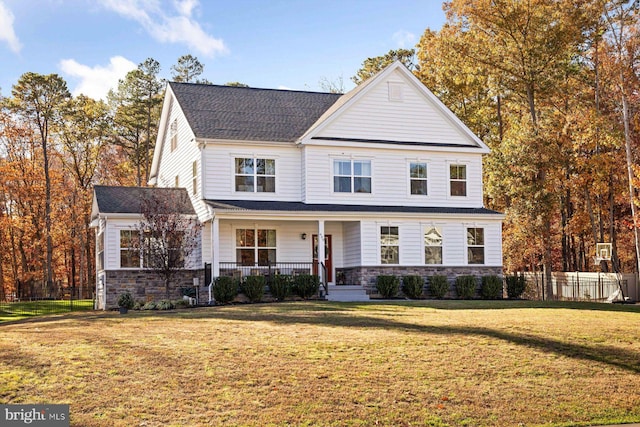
(6, 29)
(166, 27)
(404, 39)
(96, 81)
(282, 87)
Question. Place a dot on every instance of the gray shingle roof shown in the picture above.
(130, 199)
(318, 207)
(238, 113)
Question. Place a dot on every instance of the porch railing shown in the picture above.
(239, 270)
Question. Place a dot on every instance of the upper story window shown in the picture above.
(389, 245)
(173, 134)
(255, 246)
(418, 178)
(475, 245)
(433, 246)
(194, 177)
(352, 176)
(458, 180)
(255, 175)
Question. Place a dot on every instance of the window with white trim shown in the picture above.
(351, 176)
(129, 249)
(433, 245)
(255, 175)
(255, 246)
(458, 180)
(173, 134)
(389, 245)
(475, 245)
(100, 251)
(194, 177)
(418, 178)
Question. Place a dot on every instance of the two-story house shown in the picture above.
(385, 175)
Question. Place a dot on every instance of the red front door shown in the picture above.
(327, 256)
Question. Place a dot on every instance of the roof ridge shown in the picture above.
(255, 88)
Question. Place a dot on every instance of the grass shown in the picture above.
(426, 363)
(26, 309)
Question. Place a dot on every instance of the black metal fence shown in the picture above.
(18, 309)
(578, 287)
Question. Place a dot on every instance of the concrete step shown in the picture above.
(347, 293)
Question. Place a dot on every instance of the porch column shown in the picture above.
(215, 247)
(321, 254)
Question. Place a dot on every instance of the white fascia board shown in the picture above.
(209, 141)
(351, 216)
(400, 145)
(157, 151)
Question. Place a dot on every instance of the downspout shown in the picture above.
(211, 300)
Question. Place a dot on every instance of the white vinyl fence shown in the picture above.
(581, 286)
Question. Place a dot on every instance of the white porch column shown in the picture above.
(321, 254)
(215, 247)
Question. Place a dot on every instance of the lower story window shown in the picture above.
(433, 246)
(389, 245)
(129, 249)
(255, 246)
(475, 245)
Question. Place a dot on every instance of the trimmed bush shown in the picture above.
(306, 285)
(438, 286)
(253, 287)
(412, 286)
(387, 286)
(125, 300)
(280, 286)
(516, 286)
(491, 287)
(465, 287)
(225, 289)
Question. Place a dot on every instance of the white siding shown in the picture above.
(390, 177)
(352, 246)
(220, 173)
(414, 119)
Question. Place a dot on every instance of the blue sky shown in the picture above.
(290, 44)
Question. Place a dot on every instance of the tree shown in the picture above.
(168, 235)
(332, 86)
(40, 100)
(187, 70)
(372, 66)
(84, 131)
(236, 84)
(137, 103)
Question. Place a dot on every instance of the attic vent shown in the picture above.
(395, 91)
(173, 132)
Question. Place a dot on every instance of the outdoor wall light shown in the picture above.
(303, 236)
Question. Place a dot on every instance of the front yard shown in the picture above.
(436, 363)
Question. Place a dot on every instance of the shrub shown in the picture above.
(225, 289)
(465, 286)
(181, 303)
(412, 286)
(151, 305)
(165, 304)
(491, 287)
(438, 286)
(387, 286)
(125, 300)
(253, 287)
(516, 286)
(280, 286)
(306, 285)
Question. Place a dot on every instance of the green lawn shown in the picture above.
(433, 363)
(26, 309)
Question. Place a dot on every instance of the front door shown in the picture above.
(327, 256)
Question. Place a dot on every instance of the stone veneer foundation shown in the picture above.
(366, 276)
(147, 286)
